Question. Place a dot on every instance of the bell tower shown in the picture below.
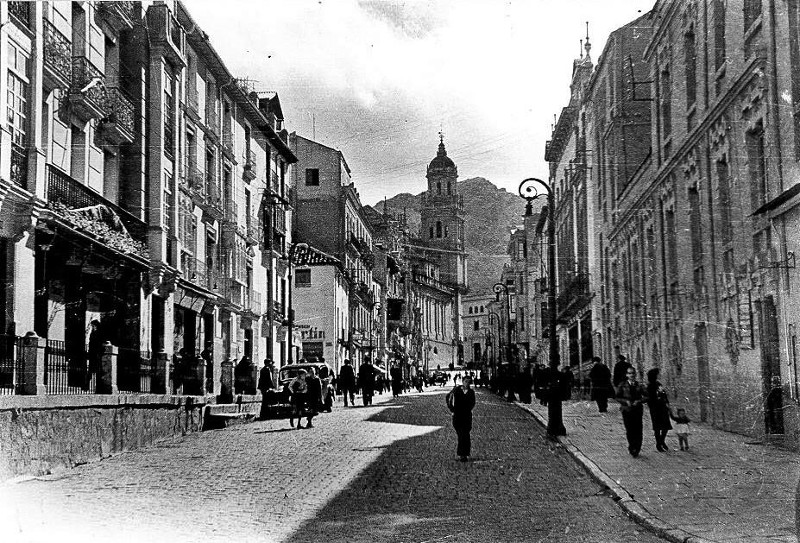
(443, 218)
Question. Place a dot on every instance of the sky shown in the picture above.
(378, 79)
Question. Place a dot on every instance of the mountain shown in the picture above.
(489, 215)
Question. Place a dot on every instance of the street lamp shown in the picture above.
(498, 288)
(375, 307)
(529, 189)
(291, 258)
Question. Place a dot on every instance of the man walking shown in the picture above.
(621, 370)
(366, 380)
(461, 403)
(600, 378)
(347, 382)
(265, 385)
(630, 395)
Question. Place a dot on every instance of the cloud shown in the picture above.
(413, 19)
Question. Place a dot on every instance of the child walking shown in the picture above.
(682, 428)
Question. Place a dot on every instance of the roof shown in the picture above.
(306, 255)
(441, 160)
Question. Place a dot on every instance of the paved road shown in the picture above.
(382, 473)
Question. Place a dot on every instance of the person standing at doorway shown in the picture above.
(631, 397)
(94, 353)
(462, 402)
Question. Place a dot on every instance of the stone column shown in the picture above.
(107, 380)
(33, 364)
(160, 383)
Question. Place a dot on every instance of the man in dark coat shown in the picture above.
(631, 397)
(366, 380)
(313, 397)
(463, 403)
(94, 353)
(265, 385)
(397, 380)
(621, 370)
(347, 382)
(600, 378)
(566, 383)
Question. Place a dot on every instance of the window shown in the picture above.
(312, 177)
(724, 202)
(666, 102)
(719, 34)
(438, 229)
(17, 94)
(752, 11)
(690, 56)
(476, 325)
(431, 232)
(302, 278)
(758, 168)
(470, 310)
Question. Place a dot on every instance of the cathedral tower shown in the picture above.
(443, 219)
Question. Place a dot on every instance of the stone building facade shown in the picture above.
(138, 178)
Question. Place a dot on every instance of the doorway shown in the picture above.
(770, 366)
(703, 372)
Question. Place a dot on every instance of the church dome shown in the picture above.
(441, 160)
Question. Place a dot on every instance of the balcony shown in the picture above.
(230, 212)
(21, 12)
(234, 293)
(117, 127)
(212, 120)
(574, 295)
(118, 14)
(19, 166)
(192, 99)
(252, 303)
(87, 94)
(249, 165)
(279, 220)
(167, 34)
(89, 212)
(253, 232)
(57, 73)
(278, 314)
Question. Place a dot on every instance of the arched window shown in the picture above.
(481, 309)
(438, 229)
(439, 187)
(470, 310)
(448, 188)
(445, 230)
(431, 232)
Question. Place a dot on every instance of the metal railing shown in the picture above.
(63, 189)
(66, 373)
(88, 81)
(121, 9)
(278, 310)
(21, 11)
(134, 370)
(119, 109)
(57, 51)
(11, 365)
(253, 301)
(19, 166)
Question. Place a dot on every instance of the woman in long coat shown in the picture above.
(658, 402)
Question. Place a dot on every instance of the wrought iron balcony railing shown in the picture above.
(21, 11)
(119, 121)
(57, 57)
(120, 14)
(65, 192)
(19, 166)
(87, 94)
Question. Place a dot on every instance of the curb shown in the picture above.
(621, 496)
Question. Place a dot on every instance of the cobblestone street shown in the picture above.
(382, 473)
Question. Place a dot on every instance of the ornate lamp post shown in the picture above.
(531, 189)
(291, 257)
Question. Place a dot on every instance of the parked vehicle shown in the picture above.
(287, 373)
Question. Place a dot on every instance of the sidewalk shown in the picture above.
(726, 488)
